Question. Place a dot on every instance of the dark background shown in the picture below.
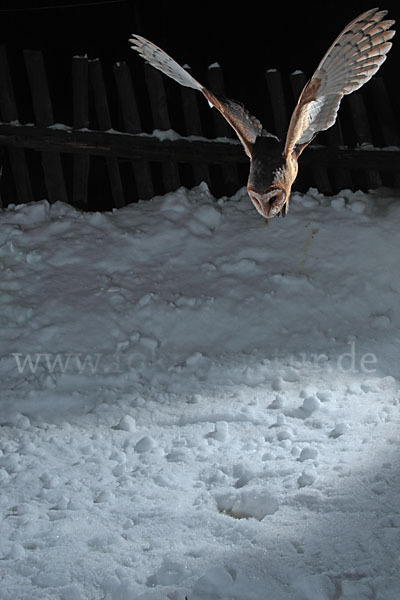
(245, 38)
(242, 37)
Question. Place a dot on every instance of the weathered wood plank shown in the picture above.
(132, 124)
(193, 126)
(230, 175)
(109, 144)
(161, 120)
(341, 177)
(42, 105)
(43, 110)
(278, 102)
(9, 113)
(80, 95)
(387, 123)
(104, 122)
(217, 85)
(384, 112)
(8, 106)
(80, 91)
(363, 132)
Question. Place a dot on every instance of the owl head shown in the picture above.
(269, 203)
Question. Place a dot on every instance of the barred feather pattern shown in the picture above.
(356, 54)
(247, 127)
(163, 62)
(353, 58)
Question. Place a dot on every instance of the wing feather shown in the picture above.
(353, 58)
(247, 127)
(164, 63)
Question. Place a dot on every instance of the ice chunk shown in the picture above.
(308, 453)
(307, 477)
(145, 444)
(127, 423)
(253, 502)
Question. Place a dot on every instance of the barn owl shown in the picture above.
(353, 58)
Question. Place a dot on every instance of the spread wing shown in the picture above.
(354, 57)
(247, 127)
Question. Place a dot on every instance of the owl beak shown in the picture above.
(270, 203)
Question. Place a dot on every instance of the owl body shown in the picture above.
(353, 58)
(268, 166)
(267, 162)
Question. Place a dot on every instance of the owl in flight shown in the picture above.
(353, 58)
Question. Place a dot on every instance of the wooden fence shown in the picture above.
(105, 136)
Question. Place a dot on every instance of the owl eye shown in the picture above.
(276, 201)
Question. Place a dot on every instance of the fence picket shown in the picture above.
(363, 132)
(132, 124)
(104, 122)
(43, 109)
(341, 177)
(80, 94)
(8, 106)
(159, 110)
(9, 113)
(385, 116)
(278, 102)
(191, 114)
(383, 111)
(230, 176)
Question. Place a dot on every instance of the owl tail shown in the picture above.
(164, 63)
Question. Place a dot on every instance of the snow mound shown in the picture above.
(196, 403)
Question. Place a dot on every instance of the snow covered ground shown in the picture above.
(194, 403)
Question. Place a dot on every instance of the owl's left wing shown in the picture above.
(247, 127)
(354, 57)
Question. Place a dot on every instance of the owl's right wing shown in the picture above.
(353, 58)
(247, 127)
